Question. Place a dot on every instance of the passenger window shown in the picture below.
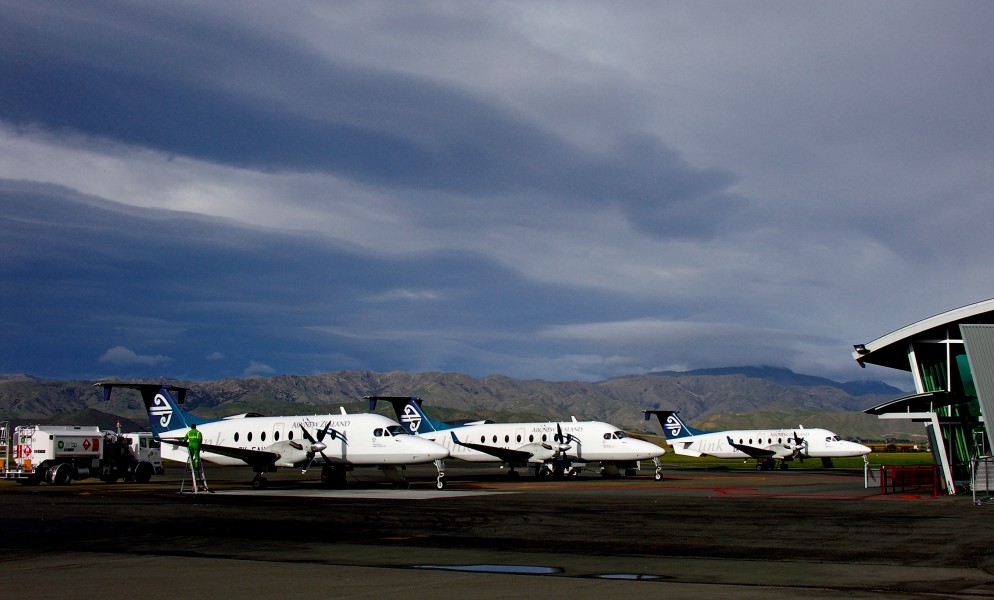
(289, 435)
(544, 438)
(483, 439)
(276, 436)
(249, 438)
(236, 436)
(262, 436)
(495, 439)
(531, 438)
(507, 439)
(518, 438)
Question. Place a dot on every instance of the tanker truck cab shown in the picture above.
(145, 456)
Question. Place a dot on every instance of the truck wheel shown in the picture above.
(60, 474)
(143, 472)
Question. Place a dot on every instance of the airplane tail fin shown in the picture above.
(410, 414)
(164, 411)
(673, 426)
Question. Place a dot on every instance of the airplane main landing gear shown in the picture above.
(333, 476)
(770, 465)
(259, 482)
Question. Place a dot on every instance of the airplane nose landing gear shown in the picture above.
(440, 480)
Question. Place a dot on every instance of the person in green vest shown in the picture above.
(194, 439)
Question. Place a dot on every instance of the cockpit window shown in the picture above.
(396, 430)
(378, 432)
(607, 436)
(832, 438)
(620, 435)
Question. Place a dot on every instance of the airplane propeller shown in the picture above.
(317, 445)
(800, 446)
(564, 442)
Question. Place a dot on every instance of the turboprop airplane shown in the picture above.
(338, 443)
(556, 449)
(770, 447)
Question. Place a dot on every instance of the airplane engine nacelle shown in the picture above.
(292, 454)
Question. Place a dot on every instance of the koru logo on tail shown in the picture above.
(160, 408)
(411, 418)
(673, 425)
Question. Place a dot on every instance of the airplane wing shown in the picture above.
(752, 451)
(505, 454)
(251, 457)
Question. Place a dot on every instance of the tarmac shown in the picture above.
(711, 533)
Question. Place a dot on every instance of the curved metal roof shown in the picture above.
(916, 403)
(891, 350)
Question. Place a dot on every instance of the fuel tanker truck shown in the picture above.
(57, 455)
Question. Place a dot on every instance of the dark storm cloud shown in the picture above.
(533, 189)
(188, 83)
(91, 284)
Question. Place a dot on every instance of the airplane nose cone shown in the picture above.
(433, 451)
(646, 450)
(860, 449)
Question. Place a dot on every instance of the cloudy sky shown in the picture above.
(553, 190)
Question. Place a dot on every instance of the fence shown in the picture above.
(896, 479)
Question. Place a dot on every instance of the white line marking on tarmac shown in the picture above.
(368, 494)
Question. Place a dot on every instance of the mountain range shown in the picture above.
(709, 399)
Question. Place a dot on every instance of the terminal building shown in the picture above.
(951, 359)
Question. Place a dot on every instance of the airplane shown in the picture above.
(770, 447)
(338, 443)
(556, 449)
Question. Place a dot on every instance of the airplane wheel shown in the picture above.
(440, 483)
(760, 467)
(658, 476)
(513, 475)
(260, 483)
(783, 466)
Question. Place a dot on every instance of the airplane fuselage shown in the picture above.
(358, 439)
(817, 443)
(592, 441)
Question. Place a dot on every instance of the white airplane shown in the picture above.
(767, 446)
(338, 443)
(556, 449)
